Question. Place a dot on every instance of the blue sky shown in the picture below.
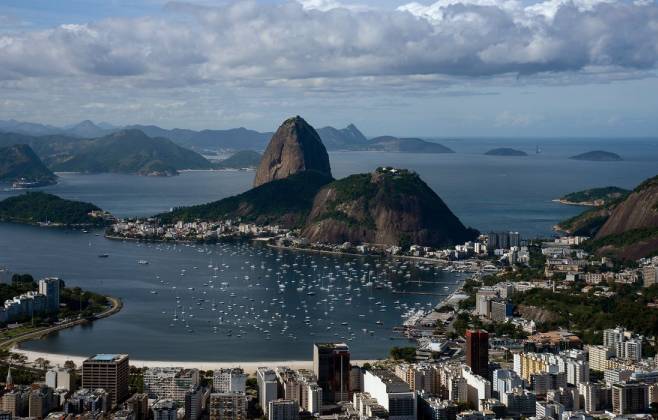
(553, 68)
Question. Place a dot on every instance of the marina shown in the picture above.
(216, 302)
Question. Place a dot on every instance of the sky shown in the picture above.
(434, 68)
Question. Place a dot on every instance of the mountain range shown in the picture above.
(125, 151)
(348, 138)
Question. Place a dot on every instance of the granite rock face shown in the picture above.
(638, 211)
(295, 147)
(386, 207)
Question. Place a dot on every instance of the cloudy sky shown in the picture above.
(424, 68)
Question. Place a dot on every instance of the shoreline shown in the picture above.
(437, 261)
(575, 203)
(249, 366)
(14, 342)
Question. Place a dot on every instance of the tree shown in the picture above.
(17, 358)
(42, 363)
(70, 364)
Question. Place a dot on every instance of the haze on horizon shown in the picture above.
(546, 68)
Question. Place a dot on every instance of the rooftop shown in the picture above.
(104, 357)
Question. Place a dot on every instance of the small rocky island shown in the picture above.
(506, 151)
(598, 156)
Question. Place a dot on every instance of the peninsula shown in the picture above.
(39, 208)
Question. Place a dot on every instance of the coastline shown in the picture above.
(576, 203)
(249, 367)
(14, 342)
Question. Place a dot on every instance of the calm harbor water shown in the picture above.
(254, 318)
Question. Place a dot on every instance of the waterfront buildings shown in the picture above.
(61, 378)
(268, 387)
(229, 380)
(109, 372)
(331, 366)
(170, 383)
(49, 287)
(27, 305)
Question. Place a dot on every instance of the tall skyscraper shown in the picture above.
(109, 372)
(331, 365)
(268, 387)
(477, 352)
(629, 398)
(50, 288)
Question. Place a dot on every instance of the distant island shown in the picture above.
(244, 159)
(506, 151)
(39, 208)
(594, 197)
(21, 167)
(598, 156)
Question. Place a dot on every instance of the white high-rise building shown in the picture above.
(577, 371)
(505, 380)
(229, 380)
(613, 338)
(478, 388)
(267, 387)
(392, 393)
(170, 383)
(598, 357)
(60, 378)
(313, 398)
(633, 349)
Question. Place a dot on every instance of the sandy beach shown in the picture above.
(249, 367)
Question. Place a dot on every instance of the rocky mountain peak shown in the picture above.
(295, 147)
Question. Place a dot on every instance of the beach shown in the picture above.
(249, 367)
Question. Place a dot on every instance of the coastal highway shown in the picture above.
(31, 335)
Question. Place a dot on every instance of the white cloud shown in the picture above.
(319, 43)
